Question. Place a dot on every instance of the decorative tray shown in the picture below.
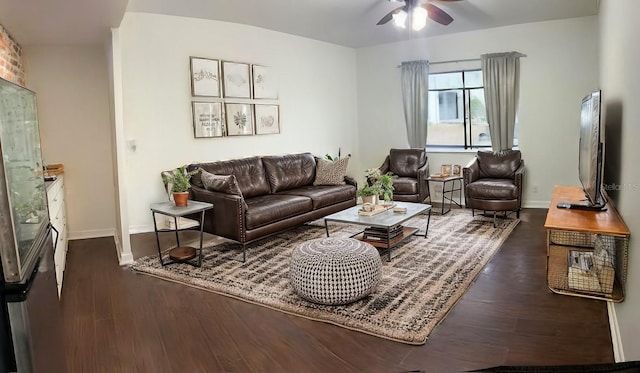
(378, 209)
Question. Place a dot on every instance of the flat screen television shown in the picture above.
(590, 152)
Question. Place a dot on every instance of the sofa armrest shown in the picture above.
(423, 186)
(227, 217)
(384, 168)
(471, 172)
(351, 181)
(519, 181)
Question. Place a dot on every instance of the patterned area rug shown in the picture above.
(420, 285)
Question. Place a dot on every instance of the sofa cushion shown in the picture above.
(249, 172)
(499, 165)
(326, 195)
(263, 210)
(492, 189)
(331, 172)
(405, 185)
(406, 162)
(289, 171)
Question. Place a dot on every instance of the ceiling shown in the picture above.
(350, 23)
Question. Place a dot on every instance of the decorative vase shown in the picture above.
(370, 199)
(181, 198)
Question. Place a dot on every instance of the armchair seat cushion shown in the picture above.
(322, 196)
(498, 189)
(266, 209)
(405, 185)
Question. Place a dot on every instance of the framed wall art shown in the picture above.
(265, 82)
(239, 119)
(205, 77)
(236, 79)
(207, 119)
(267, 119)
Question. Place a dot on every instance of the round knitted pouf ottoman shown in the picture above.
(334, 270)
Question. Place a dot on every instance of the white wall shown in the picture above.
(73, 108)
(317, 97)
(620, 82)
(561, 67)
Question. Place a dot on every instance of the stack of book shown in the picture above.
(382, 234)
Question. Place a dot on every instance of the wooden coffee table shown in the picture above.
(384, 221)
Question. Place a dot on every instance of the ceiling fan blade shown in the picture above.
(389, 16)
(437, 14)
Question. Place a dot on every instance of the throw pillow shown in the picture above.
(331, 173)
(223, 184)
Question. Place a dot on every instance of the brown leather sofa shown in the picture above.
(493, 182)
(261, 196)
(411, 170)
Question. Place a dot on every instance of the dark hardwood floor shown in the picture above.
(119, 321)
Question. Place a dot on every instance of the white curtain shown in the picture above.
(501, 74)
(415, 91)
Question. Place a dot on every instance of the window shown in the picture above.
(457, 114)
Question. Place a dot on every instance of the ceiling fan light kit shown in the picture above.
(419, 18)
(400, 19)
(419, 13)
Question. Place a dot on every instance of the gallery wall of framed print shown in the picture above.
(265, 82)
(207, 119)
(267, 119)
(236, 79)
(205, 77)
(239, 119)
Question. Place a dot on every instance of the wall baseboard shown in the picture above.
(122, 259)
(616, 340)
(536, 204)
(93, 233)
(140, 229)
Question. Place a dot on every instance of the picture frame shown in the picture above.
(239, 119)
(265, 82)
(207, 119)
(456, 170)
(267, 119)
(205, 77)
(445, 170)
(236, 79)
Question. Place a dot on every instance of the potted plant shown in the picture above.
(177, 182)
(369, 193)
(383, 183)
(386, 185)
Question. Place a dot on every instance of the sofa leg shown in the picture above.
(518, 213)
(494, 219)
(244, 253)
(473, 212)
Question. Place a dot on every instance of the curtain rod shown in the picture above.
(458, 61)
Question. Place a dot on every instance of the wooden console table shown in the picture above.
(572, 231)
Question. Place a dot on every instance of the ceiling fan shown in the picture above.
(418, 12)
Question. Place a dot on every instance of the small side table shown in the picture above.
(180, 254)
(448, 194)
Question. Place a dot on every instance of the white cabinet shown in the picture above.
(58, 217)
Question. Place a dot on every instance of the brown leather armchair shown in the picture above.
(493, 181)
(411, 169)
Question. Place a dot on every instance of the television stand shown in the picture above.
(587, 251)
(581, 206)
